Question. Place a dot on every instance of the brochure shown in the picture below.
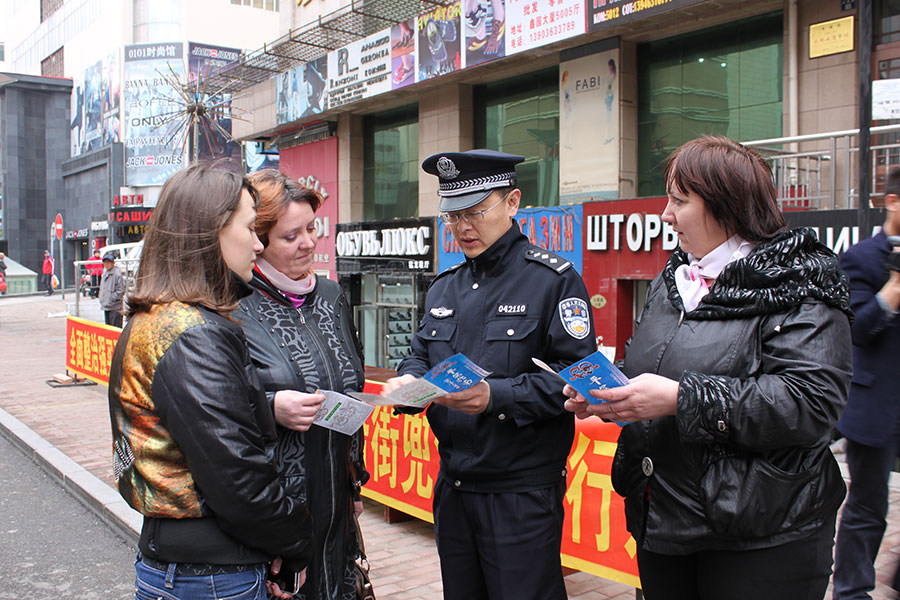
(342, 413)
(454, 374)
(593, 372)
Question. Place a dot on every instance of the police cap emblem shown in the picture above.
(446, 168)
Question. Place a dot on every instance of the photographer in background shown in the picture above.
(871, 421)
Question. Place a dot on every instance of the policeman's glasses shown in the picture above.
(471, 217)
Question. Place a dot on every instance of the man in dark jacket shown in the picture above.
(498, 501)
(871, 421)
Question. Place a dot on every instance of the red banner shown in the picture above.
(89, 348)
(402, 459)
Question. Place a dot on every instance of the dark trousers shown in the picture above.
(47, 280)
(113, 317)
(863, 520)
(794, 571)
(500, 546)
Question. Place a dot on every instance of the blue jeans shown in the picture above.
(153, 584)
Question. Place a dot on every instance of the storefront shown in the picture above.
(385, 268)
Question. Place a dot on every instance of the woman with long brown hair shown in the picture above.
(193, 436)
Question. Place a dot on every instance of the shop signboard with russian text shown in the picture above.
(386, 246)
(556, 228)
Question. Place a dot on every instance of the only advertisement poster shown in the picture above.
(485, 25)
(360, 70)
(403, 54)
(535, 23)
(301, 91)
(76, 128)
(205, 61)
(149, 100)
(439, 42)
(589, 128)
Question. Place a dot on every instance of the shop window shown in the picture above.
(391, 164)
(521, 116)
(726, 80)
(887, 21)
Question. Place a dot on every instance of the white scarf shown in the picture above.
(297, 287)
(690, 279)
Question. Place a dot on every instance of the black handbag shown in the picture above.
(364, 590)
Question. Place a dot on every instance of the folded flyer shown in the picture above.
(593, 372)
(454, 374)
(342, 413)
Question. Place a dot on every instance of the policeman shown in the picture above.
(498, 501)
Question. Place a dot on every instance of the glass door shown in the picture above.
(387, 318)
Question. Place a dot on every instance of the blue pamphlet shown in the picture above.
(593, 372)
(455, 374)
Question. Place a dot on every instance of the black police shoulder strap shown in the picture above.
(548, 259)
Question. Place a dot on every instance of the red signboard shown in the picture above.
(58, 225)
(89, 348)
(315, 165)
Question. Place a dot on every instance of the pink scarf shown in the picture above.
(690, 279)
(294, 290)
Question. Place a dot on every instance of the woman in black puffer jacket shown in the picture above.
(740, 368)
(300, 332)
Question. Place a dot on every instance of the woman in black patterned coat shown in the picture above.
(301, 336)
(740, 367)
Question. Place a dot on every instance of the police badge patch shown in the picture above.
(441, 312)
(573, 312)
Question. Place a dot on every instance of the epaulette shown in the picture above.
(447, 271)
(548, 259)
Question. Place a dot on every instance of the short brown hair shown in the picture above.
(276, 192)
(734, 182)
(182, 259)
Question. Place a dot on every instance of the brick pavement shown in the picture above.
(75, 420)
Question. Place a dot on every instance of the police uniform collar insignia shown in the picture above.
(441, 312)
(573, 312)
(446, 168)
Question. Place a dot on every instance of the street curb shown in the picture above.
(93, 493)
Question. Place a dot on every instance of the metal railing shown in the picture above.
(826, 175)
(83, 284)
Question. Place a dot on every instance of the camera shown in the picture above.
(893, 260)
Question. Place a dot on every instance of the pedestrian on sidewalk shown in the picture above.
(498, 500)
(871, 422)
(47, 272)
(112, 290)
(740, 366)
(301, 335)
(193, 435)
(95, 269)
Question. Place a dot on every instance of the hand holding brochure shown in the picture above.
(593, 372)
(454, 374)
(342, 413)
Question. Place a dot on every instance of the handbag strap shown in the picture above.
(361, 545)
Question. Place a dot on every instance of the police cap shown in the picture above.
(467, 178)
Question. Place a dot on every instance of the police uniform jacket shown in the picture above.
(511, 303)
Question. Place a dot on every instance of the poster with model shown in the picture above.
(205, 61)
(111, 86)
(534, 23)
(403, 54)
(93, 107)
(589, 128)
(151, 156)
(301, 91)
(485, 25)
(76, 128)
(439, 41)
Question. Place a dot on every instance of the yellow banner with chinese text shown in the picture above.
(402, 459)
(89, 348)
